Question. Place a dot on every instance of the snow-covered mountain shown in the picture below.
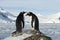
(55, 18)
(43, 19)
(6, 17)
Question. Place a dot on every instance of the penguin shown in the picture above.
(34, 21)
(19, 22)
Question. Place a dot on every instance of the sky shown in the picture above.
(45, 7)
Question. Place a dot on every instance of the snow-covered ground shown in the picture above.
(51, 30)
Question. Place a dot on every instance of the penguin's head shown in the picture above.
(29, 14)
(23, 12)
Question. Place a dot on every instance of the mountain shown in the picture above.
(55, 18)
(6, 17)
(43, 18)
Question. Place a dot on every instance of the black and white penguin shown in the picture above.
(34, 21)
(19, 23)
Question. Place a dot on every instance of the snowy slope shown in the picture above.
(55, 18)
(51, 30)
(6, 17)
(43, 19)
(18, 37)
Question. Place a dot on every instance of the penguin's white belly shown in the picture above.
(33, 25)
(30, 19)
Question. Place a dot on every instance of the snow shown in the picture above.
(49, 29)
(13, 18)
(6, 17)
(55, 17)
(19, 37)
(2, 10)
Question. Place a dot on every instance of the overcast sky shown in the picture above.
(39, 6)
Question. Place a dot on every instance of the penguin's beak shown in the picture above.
(26, 13)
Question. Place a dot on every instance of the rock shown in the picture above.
(38, 37)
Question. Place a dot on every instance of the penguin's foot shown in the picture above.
(40, 33)
(36, 32)
(16, 33)
(33, 31)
